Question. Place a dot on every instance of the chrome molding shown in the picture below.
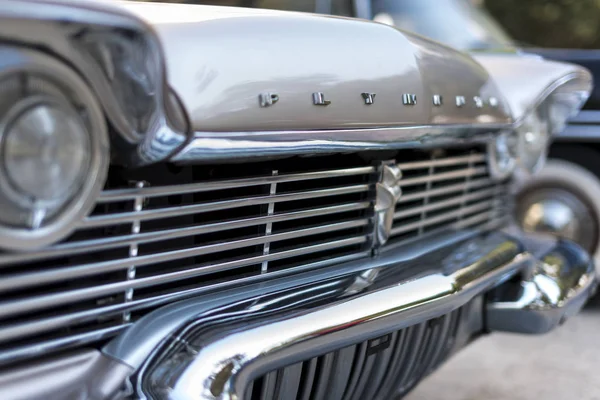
(203, 359)
(208, 146)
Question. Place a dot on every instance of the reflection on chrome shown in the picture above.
(215, 354)
(559, 286)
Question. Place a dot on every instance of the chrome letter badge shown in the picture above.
(368, 97)
(319, 99)
(388, 193)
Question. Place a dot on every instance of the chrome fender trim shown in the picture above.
(215, 354)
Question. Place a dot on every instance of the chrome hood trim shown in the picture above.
(200, 350)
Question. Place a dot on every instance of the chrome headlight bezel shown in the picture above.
(56, 83)
(548, 116)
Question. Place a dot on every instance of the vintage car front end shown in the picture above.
(208, 203)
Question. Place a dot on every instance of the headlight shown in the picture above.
(554, 107)
(534, 138)
(502, 155)
(53, 153)
(46, 156)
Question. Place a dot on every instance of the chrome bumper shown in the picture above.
(214, 346)
(207, 349)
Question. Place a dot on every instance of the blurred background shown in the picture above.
(549, 23)
(530, 23)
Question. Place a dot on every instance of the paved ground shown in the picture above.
(562, 365)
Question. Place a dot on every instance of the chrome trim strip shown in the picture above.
(85, 246)
(10, 283)
(443, 162)
(38, 326)
(10, 308)
(130, 194)
(207, 146)
(167, 212)
(487, 206)
(453, 201)
(460, 187)
(310, 320)
(41, 349)
(461, 173)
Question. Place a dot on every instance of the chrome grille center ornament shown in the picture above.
(388, 194)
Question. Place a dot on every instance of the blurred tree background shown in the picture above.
(550, 23)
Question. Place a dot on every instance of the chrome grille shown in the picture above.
(150, 240)
(381, 368)
(442, 190)
(162, 233)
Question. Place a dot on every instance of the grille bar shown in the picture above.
(444, 176)
(36, 303)
(446, 190)
(81, 271)
(85, 246)
(130, 194)
(216, 206)
(484, 206)
(445, 203)
(38, 326)
(443, 162)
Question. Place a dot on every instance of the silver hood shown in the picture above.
(175, 78)
(220, 59)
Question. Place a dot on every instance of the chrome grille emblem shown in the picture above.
(388, 194)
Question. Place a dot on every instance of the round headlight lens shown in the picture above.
(534, 143)
(502, 155)
(46, 154)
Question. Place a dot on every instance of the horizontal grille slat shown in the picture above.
(130, 194)
(443, 162)
(125, 240)
(446, 190)
(36, 303)
(80, 271)
(217, 205)
(14, 331)
(488, 205)
(432, 206)
(443, 176)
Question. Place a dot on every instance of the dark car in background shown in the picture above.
(564, 199)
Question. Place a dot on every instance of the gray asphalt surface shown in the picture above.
(561, 365)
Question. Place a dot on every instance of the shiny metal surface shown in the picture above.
(206, 356)
(146, 244)
(223, 146)
(562, 200)
(559, 213)
(379, 368)
(150, 243)
(561, 283)
(446, 191)
(388, 194)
